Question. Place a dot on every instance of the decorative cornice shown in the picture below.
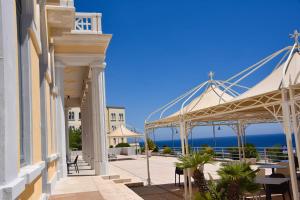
(98, 64)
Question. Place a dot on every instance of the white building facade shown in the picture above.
(52, 58)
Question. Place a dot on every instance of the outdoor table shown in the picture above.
(270, 181)
(273, 167)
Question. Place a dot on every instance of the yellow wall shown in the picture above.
(49, 124)
(32, 191)
(51, 169)
(36, 114)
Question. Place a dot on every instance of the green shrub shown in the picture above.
(75, 139)
(167, 150)
(123, 145)
(250, 151)
(111, 146)
(207, 149)
(151, 144)
(234, 152)
(156, 149)
(275, 153)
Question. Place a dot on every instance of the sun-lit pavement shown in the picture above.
(162, 169)
(87, 186)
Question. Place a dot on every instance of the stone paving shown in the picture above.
(87, 186)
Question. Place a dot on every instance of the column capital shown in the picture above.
(99, 65)
(59, 64)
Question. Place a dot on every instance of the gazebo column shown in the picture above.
(288, 134)
(183, 150)
(241, 135)
(189, 175)
(296, 128)
(147, 155)
(60, 121)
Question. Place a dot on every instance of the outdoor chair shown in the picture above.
(296, 163)
(284, 171)
(178, 172)
(69, 164)
(112, 156)
(261, 173)
(278, 189)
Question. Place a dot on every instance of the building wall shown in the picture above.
(36, 112)
(33, 190)
(76, 122)
(115, 122)
(29, 174)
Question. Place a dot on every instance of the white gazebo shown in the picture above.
(276, 98)
(123, 132)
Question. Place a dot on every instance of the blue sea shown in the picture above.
(230, 141)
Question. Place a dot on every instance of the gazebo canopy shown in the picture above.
(122, 131)
(262, 102)
(258, 104)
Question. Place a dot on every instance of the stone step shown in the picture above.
(135, 184)
(122, 180)
(111, 177)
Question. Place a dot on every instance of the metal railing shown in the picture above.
(262, 154)
(88, 23)
(67, 3)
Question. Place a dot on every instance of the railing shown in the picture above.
(264, 154)
(67, 3)
(88, 23)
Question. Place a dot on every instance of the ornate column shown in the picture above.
(60, 120)
(99, 127)
(91, 123)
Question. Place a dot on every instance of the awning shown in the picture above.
(122, 131)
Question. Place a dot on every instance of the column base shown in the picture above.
(101, 168)
(62, 171)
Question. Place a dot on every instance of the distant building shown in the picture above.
(74, 117)
(115, 117)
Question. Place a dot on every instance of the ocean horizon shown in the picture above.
(267, 140)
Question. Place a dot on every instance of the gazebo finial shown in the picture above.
(296, 35)
(211, 75)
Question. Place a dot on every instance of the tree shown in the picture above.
(75, 139)
(196, 162)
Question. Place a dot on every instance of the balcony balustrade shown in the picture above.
(88, 23)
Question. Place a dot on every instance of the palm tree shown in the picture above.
(237, 178)
(195, 162)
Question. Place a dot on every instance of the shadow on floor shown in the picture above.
(78, 196)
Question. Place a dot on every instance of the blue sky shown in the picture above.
(161, 48)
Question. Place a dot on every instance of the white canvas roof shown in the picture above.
(122, 131)
(210, 107)
(274, 80)
(212, 96)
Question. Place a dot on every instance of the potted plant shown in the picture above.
(251, 154)
(237, 178)
(195, 162)
(151, 146)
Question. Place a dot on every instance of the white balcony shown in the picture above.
(88, 23)
(67, 3)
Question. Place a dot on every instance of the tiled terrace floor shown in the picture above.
(87, 186)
